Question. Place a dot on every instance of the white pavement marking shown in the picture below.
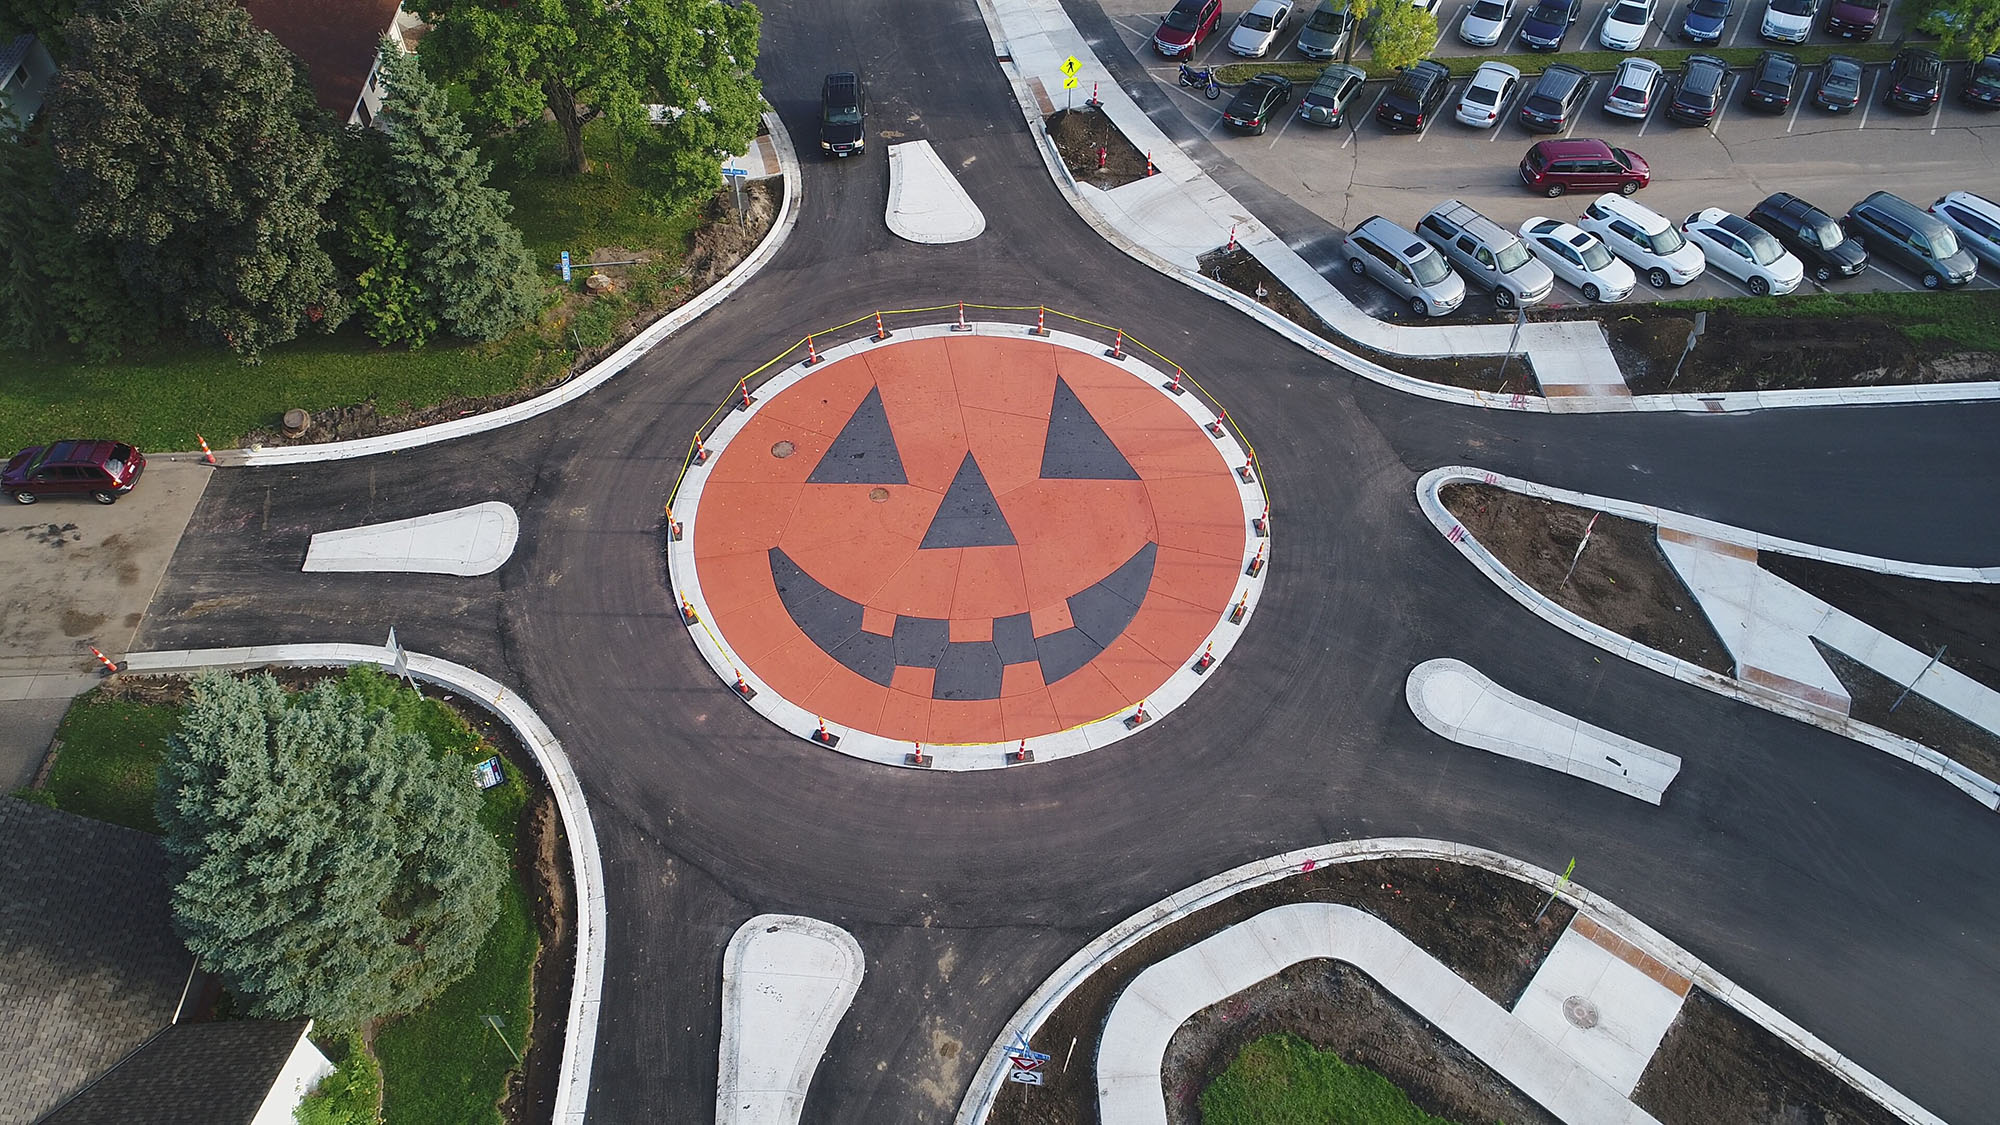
(1163, 996)
(1598, 1007)
(1877, 267)
(786, 982)
(1868, 102)
(466, 541)
(1433, 118)
(572, 1093)
(1723, 107)
(927, 204)
(1370, 116)
(1458, 702)
(1805, 95)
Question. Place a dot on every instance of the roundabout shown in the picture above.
(968, 546)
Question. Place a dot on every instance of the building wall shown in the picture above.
(302, 1072)
(22, 92)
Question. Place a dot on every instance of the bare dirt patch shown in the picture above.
(1241, 271)
(1476, 922)
(1963, 617)
(1716, 1067)
(1337, 1007)
(1915, 718)
(1622, 581)
(1086, 139)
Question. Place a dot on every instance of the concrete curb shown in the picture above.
(586, 864)
(472, 540)
(575, 388)
(926, 202)
(746, 1094)
(1259, 241)
(991, 1075)
(1081, 739)
(1981, 789)
(1576, 748)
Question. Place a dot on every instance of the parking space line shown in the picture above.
(1890, 276)
(1741, 19)
(1578, 116)
(1289, 118)
(1870, 102)
(1507, 110)
(1434, 117)
(1662, 36)
(1804, 96)
(1937, 116)
(1352, 127)
(1716, 122)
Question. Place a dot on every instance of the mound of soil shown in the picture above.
(1716, 1067)
(1622, 580)
(1241, 271)
(1086, 139)
(1476, 922)
(1336, 1007)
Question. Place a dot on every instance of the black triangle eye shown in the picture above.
(865, 451)
(1077, 447)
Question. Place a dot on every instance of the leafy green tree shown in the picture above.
(1969, 27)
(325, 862)
(1401, 34)
(56, 288)
(578, 60)
(370, 245)
(41, 18)
(469, 259)
(188, 145)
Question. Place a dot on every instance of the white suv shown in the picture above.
(1788, 21)
(1643, 237)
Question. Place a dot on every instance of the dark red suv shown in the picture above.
(101, 470)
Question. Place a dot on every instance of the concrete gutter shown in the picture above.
(992, 1073)
(586, 864)
(1979, 788)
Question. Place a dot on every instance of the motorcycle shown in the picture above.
(1201, 78)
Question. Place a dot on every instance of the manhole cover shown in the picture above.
(1580, 1012)
(783, 450)
(879, 495)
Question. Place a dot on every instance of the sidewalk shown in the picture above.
(1169, 220)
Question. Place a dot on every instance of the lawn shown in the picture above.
(161, 397)
(1967, 320)
(108, 768)
(1284, 1080)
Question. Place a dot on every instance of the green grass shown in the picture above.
(1597, 62)
(349, 1095)
(1283, 1080)
(1968, 321)
(108, 768)
(161, 397)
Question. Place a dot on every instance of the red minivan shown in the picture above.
(1584, 164)
(1186, 26)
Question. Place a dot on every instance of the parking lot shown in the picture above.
(1348, 173)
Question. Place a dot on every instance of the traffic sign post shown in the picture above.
(565, 265)
(1070, 67)
(736, 177)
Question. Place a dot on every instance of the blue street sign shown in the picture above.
(1022, 1050)
(741, 172)
(565, 265)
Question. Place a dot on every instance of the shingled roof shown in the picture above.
(336, 39)
(89, 964)
(190, 1074)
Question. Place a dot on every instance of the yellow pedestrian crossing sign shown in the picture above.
(1069, 68)
(1069, 82)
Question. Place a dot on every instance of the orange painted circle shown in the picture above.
(952, 402)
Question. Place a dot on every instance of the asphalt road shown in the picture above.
(1851, 891)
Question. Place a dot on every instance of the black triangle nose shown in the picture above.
(969, 516)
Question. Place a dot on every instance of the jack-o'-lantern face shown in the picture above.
(978, 526)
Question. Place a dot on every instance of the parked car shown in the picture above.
(1548, 23)
(1326, 102)
(1894, 229)
(1555, 101)
(1643, 237)
(1772, 81)
(1839, 88)
(1258, 27)
(1788, 21)
(1326, 30)
(1183, 29)
(1916, 80)
(1418, 92)
(1259, 101)
(1854, 19)
(1583, 164)
(1486, 21)
(101, 470)
(1492, 84)
(1704, 20)
(1626, 24)
(1430, 6)
(1745, 251)
(1982, 83)
(1406, 265)
(1580, 258)
(1488, 253)
(1698, 90)
(1635, 86)
(1811, 234)
(843, 111)
(1976, 219)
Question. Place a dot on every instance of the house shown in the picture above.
(25, 70)
(101, 1002)
(339, 41)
